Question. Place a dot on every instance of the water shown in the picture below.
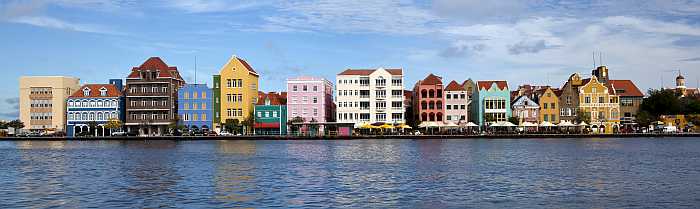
(529, 173)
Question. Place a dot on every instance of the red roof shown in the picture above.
(275, 98)
(246, 65)
(397, 71)
(628, 88)
(112, 91)
(431, 80)
(454, 86)
(502, 85)
(155, 63)
(408, 93)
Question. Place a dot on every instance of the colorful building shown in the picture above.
(42, 102)
(491, 101)
(428, 100)
(370, 96)
(682, 89)
(271, 114)
(456, 103)
(600, 102)
(237, 84)
(310, 98)
(525, 109)
(94, 103)
(195, 106)
(630, 102)
(151, 97)
(569, 99)
(548, 100)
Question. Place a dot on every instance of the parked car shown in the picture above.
(119, 133)
(224, 133)
(212, 133)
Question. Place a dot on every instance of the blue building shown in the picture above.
(195, 106)
(491, 102)
(96, 103)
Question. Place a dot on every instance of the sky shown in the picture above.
(538, 42)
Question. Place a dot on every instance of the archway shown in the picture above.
(439, 116)
(431, 116)
(602, 129)
(431, 93)
(424, 117)
(423, 93)
(594, 128)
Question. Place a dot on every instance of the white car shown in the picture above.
(225, 134)
(119, 133)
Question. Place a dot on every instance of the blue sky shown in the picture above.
(522, 41)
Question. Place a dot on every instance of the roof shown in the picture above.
(628, 87)
(246, 65)
(430, 80)
(112, 91)
(454, 86)
(397, 71)
(155, 63)
(407, 93)
(274, 97)
(502, 85)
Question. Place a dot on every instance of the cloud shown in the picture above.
(10, 115)
(210, 6)
(462, 49)
(694, 59)
(14, 111)
(524, 47)
(31, 13)
(49, 22)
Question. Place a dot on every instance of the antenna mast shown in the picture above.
(594, 60)
(195, 69)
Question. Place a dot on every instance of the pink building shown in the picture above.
(310, 98)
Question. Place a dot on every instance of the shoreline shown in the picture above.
(378, 137)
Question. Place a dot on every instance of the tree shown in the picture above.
(230, 125)
(16, 124)
(3, 125)
(644, 119)
(93, 126)
(294, 127)
(582, 116)
(694, 120)
(514, 120)
(489, 118)
(661, 102)
(313, 126)
(249, 122)
(113, 123)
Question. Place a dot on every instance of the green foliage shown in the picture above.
(489, 118)
(231, 125)
(3, 125)
(644, 119)
(661, 102)
(514, 120)
(113, 123)
(17, 124)
(583, 117)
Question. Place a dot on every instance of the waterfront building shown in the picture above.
(548, 100)
(569, 99)
(682, 89)
(310, 98)
(630, 102)
(428, 100)
(195, 107)
(491, 102)
(237, 86)
(271, 114)
(599, 101)
(456, 103)
(94, 104)
(408, 105)
(42, 101)
(151, 97)
(370, 96)
(525, 109)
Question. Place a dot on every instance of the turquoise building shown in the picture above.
(195, 107)
(491, 100)
(271, 114)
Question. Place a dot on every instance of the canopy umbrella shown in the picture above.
(583, 123)
(471, 124)
(386, 126)
(402, 126)
(450, 125)
(547, 124)
(566, 124)
(368, 126)
(528, 124)
(427, 124)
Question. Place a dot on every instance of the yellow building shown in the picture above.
(42, 101)
(238, 90)
(680, 121)
(600, 102)
(548, 99)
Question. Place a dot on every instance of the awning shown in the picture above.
(267, 125)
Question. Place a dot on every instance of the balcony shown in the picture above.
(148, 94)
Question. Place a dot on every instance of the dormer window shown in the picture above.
(86, 92)
(103, 91)
(267, 101)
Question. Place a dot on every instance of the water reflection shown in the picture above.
(351, 174)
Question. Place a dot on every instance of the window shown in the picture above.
(545, 107)
(204, 95)
(204, 106)
(546, 117)
(380, 105)
(86, 92)
(568, 100)
(315, 100)
(364, 106)
(364, 93)
(274, 114)
(315, 88)
(448, 96)
(396, 82)
(381, 93)
(267, 114)
(364, 82)
(186, 95)
(396, 116)
(381, 117)
(305, 88)
(553, 105)
(601, 100)
(449, 107)
(594, 90)
(396, 93)
(380, 81)
(588, 100)
(315, 112)
(396, 105)
(194, 95)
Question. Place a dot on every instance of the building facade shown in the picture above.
(96, 104)
(370, 96)
(237, 84)
(428, 100)
(600, 102)
(151, 97)
(569, 99)
(630, 102)
(310, 98)
(525, 109)
(456, 103)
(491, 102)
(548, 100)
(42, 101)
(271, 114)
(195, 108)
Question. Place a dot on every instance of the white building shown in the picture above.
(370, 96)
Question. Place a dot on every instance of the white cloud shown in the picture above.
(49, 22)
(652, 26)
(31, 13)
(209, 6)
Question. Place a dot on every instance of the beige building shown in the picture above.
(42, 101)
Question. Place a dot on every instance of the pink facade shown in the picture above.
(310, 98)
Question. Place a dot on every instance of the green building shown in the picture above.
(271, 114)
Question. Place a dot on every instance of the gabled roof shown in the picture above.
(521, 100)
(431, 80)
(274, 97)
(454, 86)
(396, 71)
(112, 91)
(156, 64)
(246, 65)
(502, 85)
(628, 87)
